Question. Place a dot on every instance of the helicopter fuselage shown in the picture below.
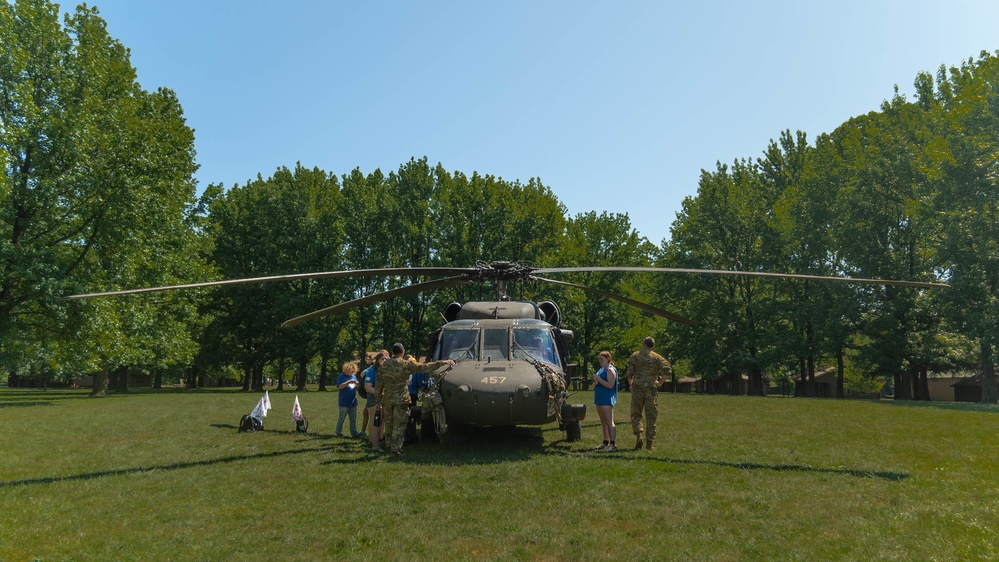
(498, 381)
(509, 370)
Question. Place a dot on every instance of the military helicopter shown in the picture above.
(512, 361)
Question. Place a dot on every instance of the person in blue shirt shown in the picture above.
(346, 384)
(416, 382)
(370, 375)
(605, 397)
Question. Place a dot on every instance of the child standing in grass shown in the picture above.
(605, 397)
(346, 384)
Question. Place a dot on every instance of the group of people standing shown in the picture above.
(389, 384)
(646, 371)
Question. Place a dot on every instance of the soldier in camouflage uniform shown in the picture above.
(392, 393)
(646, 372)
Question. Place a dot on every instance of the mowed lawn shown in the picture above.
(163, 475)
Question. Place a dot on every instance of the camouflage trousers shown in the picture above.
(644, 398)
(395, 417)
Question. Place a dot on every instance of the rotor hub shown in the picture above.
(500, 271)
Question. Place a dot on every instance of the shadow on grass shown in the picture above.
(625, 455)
(309, 437)
(959, 406)
(23, 397)
(476, 446)
(499, 445)
(173, 466)
(24, 404)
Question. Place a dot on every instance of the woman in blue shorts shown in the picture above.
(605, 397)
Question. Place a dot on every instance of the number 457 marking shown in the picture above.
(493, 380)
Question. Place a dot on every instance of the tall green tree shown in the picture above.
(249, 223)
(822, 315)
(312, 240)
(966, 205)
(729, 226)
(368, 244)
(98, 175)
(593, 240)
(881, 233)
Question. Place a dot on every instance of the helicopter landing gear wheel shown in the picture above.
(572, 415)
(573, 431)
(428, 429)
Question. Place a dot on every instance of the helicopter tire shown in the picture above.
(428, 430)
(573, 431)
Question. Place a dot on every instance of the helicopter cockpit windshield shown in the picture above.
(459, 344)
(534, 343)
(522, 341)
(495, 344)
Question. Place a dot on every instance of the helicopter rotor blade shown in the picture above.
(637, 304)
(918, 284)
(378, 297)
(388, 272)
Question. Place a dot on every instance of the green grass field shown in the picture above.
(163, 475)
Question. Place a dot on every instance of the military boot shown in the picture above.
(648, 444)
(638, 444)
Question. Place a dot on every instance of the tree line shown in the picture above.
(98, 194)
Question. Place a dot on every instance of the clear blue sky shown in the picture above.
(616, 106)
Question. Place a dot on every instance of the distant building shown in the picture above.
(728, 383)
(969, 389)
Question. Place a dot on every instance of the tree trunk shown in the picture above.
(810, 386)
(323, 369)
(840, 370)
(799, 389)
(917, 389)
(924, 383)
(280, 373)
(158, 379)
(197, 378)
(903, 386)
(247, 377)
(756, 381)
(303, 373)
(258, 378)
(988, 374)
(122, 379)
(100, 382)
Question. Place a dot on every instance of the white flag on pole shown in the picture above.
(296, 411)
(260, 411)
(267, 402)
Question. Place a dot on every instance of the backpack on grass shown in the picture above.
(249, 424)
